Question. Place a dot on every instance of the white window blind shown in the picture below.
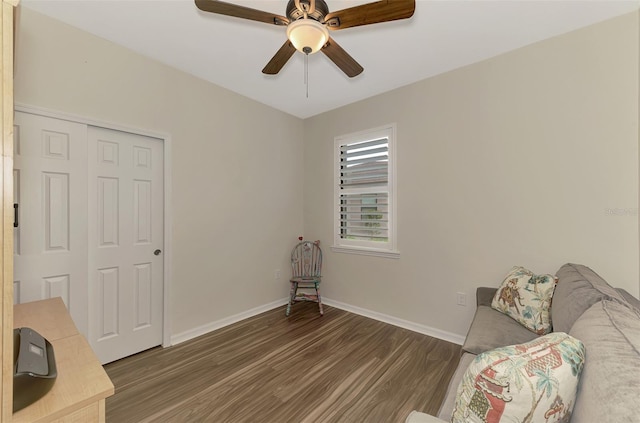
(364, 197)
(364, 193)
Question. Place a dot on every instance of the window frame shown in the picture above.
(388, 249)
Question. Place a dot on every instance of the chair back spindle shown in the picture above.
(306, 260)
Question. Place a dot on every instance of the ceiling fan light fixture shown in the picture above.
(307, 35)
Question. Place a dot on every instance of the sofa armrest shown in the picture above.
(418, 417)
(484, 295)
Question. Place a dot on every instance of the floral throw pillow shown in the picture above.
(532, 382)
(526, 298)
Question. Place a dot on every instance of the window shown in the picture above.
(364, 205)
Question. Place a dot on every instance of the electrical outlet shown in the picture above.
(461, 299)
(276, 274)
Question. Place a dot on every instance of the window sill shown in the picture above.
(365, 252)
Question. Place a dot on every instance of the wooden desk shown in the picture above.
(82, 385)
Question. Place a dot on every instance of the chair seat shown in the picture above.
(305, 279)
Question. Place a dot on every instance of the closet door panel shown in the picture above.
(50, 170)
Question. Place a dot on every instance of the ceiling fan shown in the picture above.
(308, 23)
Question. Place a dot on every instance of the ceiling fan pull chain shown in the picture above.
(306, 73)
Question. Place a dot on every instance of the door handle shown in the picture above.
(157, 252)
(15, 215)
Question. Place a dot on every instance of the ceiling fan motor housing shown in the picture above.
(320, 10)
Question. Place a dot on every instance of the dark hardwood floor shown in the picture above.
(340, 367)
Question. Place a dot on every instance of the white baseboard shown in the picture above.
(405, 324)
(218, 324)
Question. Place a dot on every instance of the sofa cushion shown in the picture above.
(526, 298)
(578, 289)
(610, 387)
(446, 409)
(536, 381)
(491, 329)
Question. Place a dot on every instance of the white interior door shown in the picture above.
(50, 185)
(126, 219)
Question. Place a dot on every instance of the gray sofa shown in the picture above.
(605, 319)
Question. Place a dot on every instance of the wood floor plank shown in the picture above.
(340, 367)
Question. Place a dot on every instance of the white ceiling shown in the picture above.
(230, 52)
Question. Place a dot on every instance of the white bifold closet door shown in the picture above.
(125, 241)
(90, 229)
(50, 188)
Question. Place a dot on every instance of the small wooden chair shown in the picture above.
(306, 267)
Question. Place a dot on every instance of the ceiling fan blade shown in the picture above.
(371, 13)
(230, 9)
(279, 59)
(342, 59)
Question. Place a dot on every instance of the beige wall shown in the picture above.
(236, 192)
(511, 161)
